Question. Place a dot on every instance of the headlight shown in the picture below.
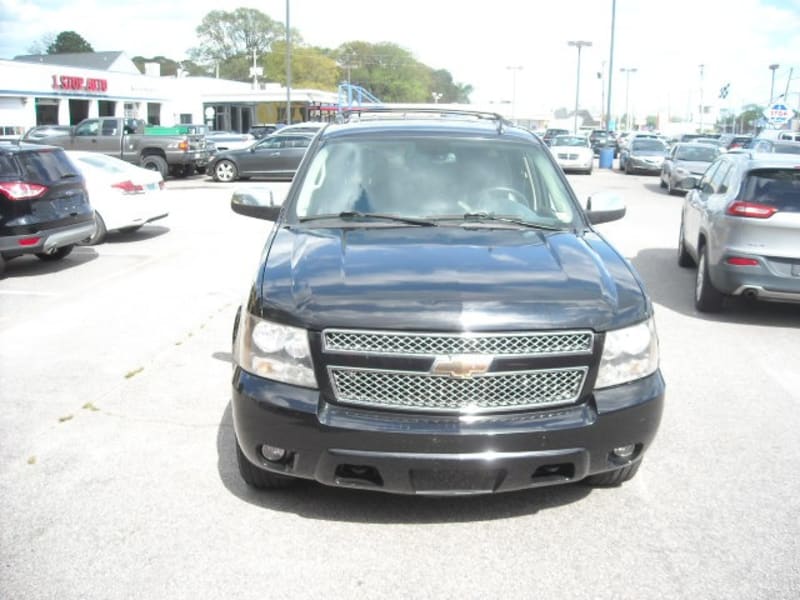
(274, 351)
(681, 171)
(628, 354)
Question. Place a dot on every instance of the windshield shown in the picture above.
(434, 178)
(699, 154)
(569, 140)
(648, 145)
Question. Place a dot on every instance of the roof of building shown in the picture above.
(100, 61)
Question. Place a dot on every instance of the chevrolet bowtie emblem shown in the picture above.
(461, 366)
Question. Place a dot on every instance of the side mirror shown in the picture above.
(603, 207)
(255, 202)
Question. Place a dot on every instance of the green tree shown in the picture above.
(311, 67)
(388, 71)
(441, 82)
(749, 117)
(69, 41)
(226, 35)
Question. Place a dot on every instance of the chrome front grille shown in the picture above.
(371, 368)
(442, 344)
(497, 391)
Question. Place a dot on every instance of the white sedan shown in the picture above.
(573, 153)
(124, 196)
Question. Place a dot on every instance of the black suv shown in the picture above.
(44, 207)
(600, 138)
(434, 313)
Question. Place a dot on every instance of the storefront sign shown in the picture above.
(79, 84)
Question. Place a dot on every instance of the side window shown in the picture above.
(705, 182)
(720, 178)
(270, 144)
(109, 128)
(298, 142)
(88, 128)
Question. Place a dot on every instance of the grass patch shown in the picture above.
(130, 374)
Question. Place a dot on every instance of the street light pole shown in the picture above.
(288, 68)
(611, 63)
(577, 44)
(627, 71)
(702, 108)
(514, 70)
(772, 68)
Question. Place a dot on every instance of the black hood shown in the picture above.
(447, 279)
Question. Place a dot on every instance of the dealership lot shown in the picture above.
(118, 476)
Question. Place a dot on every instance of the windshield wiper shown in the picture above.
(482, 216)
(354, 214)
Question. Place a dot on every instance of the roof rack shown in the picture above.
(410, 112)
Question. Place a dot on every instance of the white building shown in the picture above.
(63, 89)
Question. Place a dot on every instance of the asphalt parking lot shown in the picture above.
(118, 476)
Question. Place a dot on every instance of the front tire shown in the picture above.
(684, 258)
(57, 254)
(258, 478)
(225, 171)
(615, 477)
(706, 297)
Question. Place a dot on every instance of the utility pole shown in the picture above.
(701, 99)
(514, 70)
(288, 68)
(611, 62)
(578, 45)
(772, 68)
(627, 72)
(602, 76)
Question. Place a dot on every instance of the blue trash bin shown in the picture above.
(606, 158)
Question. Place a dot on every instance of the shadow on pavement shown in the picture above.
(147, 232)
(673, 287)
(30, 266)
(316, 501)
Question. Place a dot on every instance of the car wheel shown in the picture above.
(706, 297)
(2, 265)
(615, 477)
(661, 183)
(684, 258)
(100, 233)
(56, 254)
(156, 163)
(628, 170)
(670, 189)
(225, 171)
(257, 477)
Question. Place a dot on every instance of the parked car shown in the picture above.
(434, 313)
(573, 153)
(34, 134)
(600, 138)
(780, 146)
(229, 140)
(683, 161)
(740, 225)
(274, 156)
(124, 197)
(643, 154)
(44, 206)
(730, 141)
(259, 131)
(549, 134)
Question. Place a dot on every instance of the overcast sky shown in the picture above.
(477, 42)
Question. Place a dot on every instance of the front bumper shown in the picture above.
(644, 167)
(414, 453)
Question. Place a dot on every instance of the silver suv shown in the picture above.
(741, 226)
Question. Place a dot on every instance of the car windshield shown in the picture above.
(569, 140)
(431, 178)
(648, 145)
(698, 154)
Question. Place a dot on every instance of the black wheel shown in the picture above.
(2, 265)
(225, 171)
(706, 297)
(661, 183)
(257, 477)
(615, 477)
(670, 189)
(628, 170)
(156, 163)
(130, 229)
(684, 258)
(99, 234)
(57, 254)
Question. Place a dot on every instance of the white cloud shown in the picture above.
(476, 42)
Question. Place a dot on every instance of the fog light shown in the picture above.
(272, 453)
(624, 452)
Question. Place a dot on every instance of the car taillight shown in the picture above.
(739, 261)
(184, 145)
(752, 210)
(20, 190)
(128, 187)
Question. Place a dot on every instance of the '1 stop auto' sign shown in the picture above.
(778, 114)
